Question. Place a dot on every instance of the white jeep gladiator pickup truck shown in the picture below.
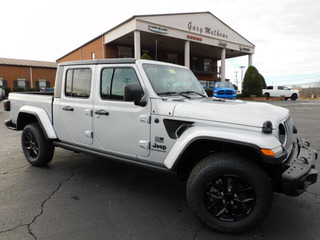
(278, 91)
(157, 115)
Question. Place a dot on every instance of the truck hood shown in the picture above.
(231, 111)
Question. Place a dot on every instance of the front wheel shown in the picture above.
(228, 193)
(36, 148)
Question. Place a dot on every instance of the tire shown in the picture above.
(267, 95)
(36, 148)
(294, 97)
(228, 193)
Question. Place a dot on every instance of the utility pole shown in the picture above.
(242, 67)
(236, 72)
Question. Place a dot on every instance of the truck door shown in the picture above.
(73, 109)
(120, 127)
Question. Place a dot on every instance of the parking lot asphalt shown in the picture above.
(82, 197)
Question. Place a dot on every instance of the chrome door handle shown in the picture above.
(102, 112)
(68, 108)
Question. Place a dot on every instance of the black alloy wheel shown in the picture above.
(37, 149)
(31, 145)
(229, 193)
(229, 198)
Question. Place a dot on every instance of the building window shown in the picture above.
(3, 83)
(194, 63)
(172, 58)
(124, 52)
(42, 83)
(207, 65)
(22, 82)
(92, 55)
(78, 83)
(113, 81)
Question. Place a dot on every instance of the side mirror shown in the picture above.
(134, 93)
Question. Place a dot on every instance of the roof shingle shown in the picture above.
(27, 63)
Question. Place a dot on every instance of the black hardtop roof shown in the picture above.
(100, 61)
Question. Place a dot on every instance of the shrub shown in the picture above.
(7, 90)
(253, 83)
(263, 82)
(33, 90)
(146, 56)
(209, 92)
(18, 89)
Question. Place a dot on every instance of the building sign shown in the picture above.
(222, 44)
(244, 49)
(158, 29)
(207, 30)
(194, 38)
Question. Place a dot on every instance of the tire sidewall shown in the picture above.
(45, 148)
(212, 168)
(294, 97)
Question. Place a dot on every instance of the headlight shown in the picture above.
(282, 134)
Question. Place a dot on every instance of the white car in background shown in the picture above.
(278, 91)
(2, 93)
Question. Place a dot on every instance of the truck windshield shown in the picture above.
(223, 85)
(170, 80)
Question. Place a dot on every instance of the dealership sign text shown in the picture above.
(206, 30)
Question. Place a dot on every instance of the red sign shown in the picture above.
(194, 38)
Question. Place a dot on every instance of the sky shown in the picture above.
(286, 34)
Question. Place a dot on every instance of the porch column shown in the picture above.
(250, 60)
(187, 54)
(223, 65)
(137, 45)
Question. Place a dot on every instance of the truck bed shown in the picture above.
(43, 100)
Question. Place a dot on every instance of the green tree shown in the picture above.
(263, 82)
(253, 82)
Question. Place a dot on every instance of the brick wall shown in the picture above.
(12, 73)
(85, 52)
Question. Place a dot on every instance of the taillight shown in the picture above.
(6, 105)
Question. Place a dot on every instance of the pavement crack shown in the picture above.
(13, 229)
(313, 193)
(45, 201)
(13, 170)
(195, 236)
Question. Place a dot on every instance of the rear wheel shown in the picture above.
(267, 95)
(228, 193)
(36, 148)
(294, 97)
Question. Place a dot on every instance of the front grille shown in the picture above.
(225, 92)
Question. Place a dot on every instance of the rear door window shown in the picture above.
(78, 83)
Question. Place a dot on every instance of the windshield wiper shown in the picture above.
(188, 92)
(174, 93)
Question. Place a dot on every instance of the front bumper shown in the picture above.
(230, 96)
(300, 169)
